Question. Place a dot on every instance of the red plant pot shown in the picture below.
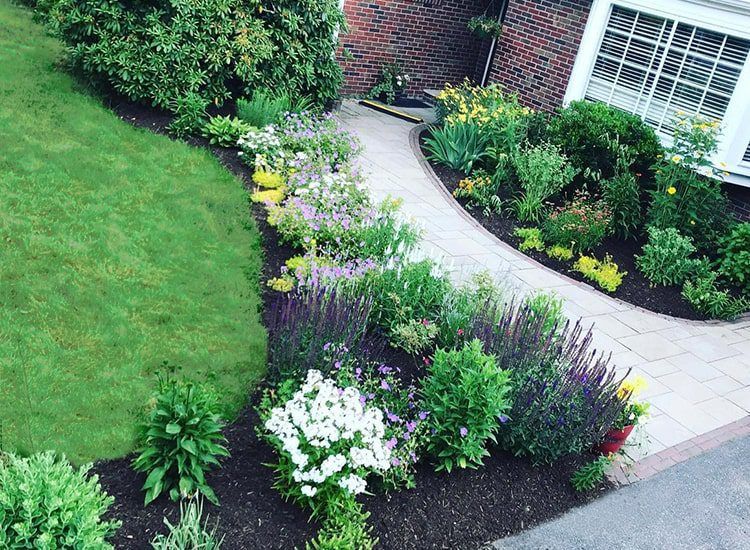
(614, 440)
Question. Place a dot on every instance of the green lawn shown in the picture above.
(119, 250)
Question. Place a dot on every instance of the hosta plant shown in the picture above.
(46, 503)
(224, 131)
(464, 392)
(181, 440)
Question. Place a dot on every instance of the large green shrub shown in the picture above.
(591, 134)
(465, 393)
(45, 503)
(161, 52)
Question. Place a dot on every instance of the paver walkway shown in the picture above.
(698, 373)
(702, 504)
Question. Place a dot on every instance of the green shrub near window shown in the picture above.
(46, 503)
(591, 134)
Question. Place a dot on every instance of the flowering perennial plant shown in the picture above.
(579, 225)
(477, 104)
(329, 441)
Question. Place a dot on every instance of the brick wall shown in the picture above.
(430, 39)
(535, 54)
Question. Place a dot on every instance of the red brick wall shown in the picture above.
(431, 41)
(535, 54)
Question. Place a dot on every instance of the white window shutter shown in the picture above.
(653, 66)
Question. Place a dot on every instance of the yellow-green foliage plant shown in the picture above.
(605, 273)
(122, 249)
(561, 253)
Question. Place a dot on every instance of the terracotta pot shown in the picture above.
(614, 440)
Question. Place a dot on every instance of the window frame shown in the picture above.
(723, 16)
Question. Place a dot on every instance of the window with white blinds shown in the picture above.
(653, 66)
(746, 156)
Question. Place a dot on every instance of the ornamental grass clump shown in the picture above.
(46, 503)
(306, 323)
(465, 393)
(564, 396)
(328, 440)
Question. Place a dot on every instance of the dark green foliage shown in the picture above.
(413, 291)
(590, 474)
(160, 52)
(45, 503)
(621, 193)
(190, 114)
(591, 134)
(734, 256)
(707, 298)
(181, 440)
(465, 393)
(458, 146)
(264, 108)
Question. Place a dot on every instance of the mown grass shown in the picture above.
(119, 250)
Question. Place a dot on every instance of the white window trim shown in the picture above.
(725, 16)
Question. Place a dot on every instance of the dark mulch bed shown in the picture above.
(460, 510)
(635, 288)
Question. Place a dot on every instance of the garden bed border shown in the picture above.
(414, 143)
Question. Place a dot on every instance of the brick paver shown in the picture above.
(699, 372)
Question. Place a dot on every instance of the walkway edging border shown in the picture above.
(438, 184)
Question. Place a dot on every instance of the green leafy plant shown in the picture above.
(666, 257)
(46, 503)
(191, 533)
(734, 256)
(181, 440)
(485, 27)
(548, 306)
(531, 238)
(464, 392)
(414, 336)
(605, 273)
(264, 107)
(190, 114)
(707, 298)
(345, 530)
(224, 131)
(688, 194)
(481, 191)
(592, 135)
(458, 146)
(621, 194)
(393, 80)
(542, 173)
(591, 474)
(579, 225)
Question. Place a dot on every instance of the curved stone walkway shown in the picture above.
(698, 373)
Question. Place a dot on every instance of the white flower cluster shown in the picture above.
(330, 435)
(264, 144)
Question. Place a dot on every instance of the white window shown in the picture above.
(682, 56)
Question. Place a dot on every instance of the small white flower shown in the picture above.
(308, 490)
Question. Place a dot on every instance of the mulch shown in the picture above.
(461, 510)
(635, 289)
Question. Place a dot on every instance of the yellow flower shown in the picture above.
(672, 190)
(632, 387)
(281, 284)
(676, 158)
